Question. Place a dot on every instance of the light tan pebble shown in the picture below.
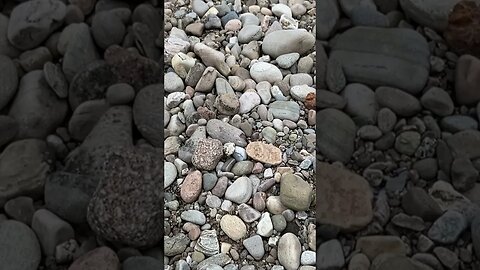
(225, 248)
(274, 205)
(254, 9)
(233, 25)
(266, 11)
(265, 153)
(298, 10)
(233, 227)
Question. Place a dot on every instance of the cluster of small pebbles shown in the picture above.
(398, 135)
(240, 134)
(80, 175)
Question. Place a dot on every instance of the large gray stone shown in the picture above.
(383, 57)
(287, 41)
(429, 13)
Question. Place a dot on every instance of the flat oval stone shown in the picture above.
(20, 248)
(233, 226)
(265, 153)
(287, 41)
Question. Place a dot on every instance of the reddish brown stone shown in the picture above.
(310, 101)
(100, 258)
(463, 31)
(191, 187)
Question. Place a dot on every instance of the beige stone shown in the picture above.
(344, 198)
(265, 153)
(234, 227)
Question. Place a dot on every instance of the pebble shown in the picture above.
(233, 226)
(240, 191)
(289, 251)
(295, 193)
(262, 71)
(20, 247)
(191, 187)
(254, 245)
(194, 216)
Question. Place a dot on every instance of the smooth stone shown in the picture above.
(240, 191)
(141, 263)
(248, 100)
(233, 227)
(85, 117)
(383, 57)
(191, 187)
(287, 41)
(360, 103)
(249, 33)
(254, 246)
(287, 60)
(400, 102)
(6, 48)
(330, 255)
(448, 228)
(372, 246)
(295, 193)
(463, 174)
(175, 83)
(265, 153)
(432, 14)
(466, 143)
(225, 132)
(247, 213)
(148, 114)
(467, 76)
(336, 134)
(345, 198)
(23, 169)
(8, 129)
(20, 249)
(36, 108)
(194, 216)
(56, 79)
(456, 123)
(107, 28)
(51, 230)
(262, 71)
(98, 258)
(20, 209)
(79, 49)
(212, 57)
(24, 32)
(417, 202)
(170, 174)
(407, 142)
(300, 92)
(328, 16)
(285, 110)
(438, 101)
(120, 94)
(67, 195)
(289, 251)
